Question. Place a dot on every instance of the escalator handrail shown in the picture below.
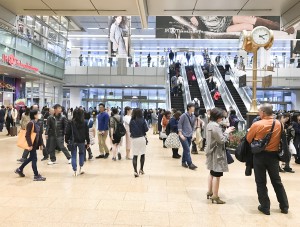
(204, 90)
(226, 95)
(186, 89)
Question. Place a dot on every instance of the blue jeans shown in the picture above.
(186, 156)
(33, 159)
(81, 148)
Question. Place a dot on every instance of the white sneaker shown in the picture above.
(81, 171)
(51, 163)
(70, 161)
(75, 174)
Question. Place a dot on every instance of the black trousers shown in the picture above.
(9, 122)
(268, 162)
(57, 142)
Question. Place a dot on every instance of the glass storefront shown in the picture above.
(121, 97)
(281, 100)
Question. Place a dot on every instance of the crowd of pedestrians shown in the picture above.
(74, 131)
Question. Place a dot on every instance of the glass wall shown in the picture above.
(281, 100)
(121, 97)
(29, 52)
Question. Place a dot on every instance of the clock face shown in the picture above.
(261, 36)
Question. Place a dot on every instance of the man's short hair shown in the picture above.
(102, 104)
(191, 104)
(267, 108)
(56, 106)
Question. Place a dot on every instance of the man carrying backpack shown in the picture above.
(196, 101)
(116, 132)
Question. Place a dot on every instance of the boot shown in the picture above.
(175, 154)
(90, 153)
(217, 200)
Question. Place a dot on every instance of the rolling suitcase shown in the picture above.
(13, 131)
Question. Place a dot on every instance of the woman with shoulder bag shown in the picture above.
(164, 123)
(76, 136)
(138, 129)
(215, 153)
(174, 129)
(32, 127)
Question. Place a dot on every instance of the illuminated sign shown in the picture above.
(13, 61)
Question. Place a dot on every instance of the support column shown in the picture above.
(122, 69)
(75, 53)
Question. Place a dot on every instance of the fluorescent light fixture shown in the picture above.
(93, 28)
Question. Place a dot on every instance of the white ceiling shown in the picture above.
(151, 7)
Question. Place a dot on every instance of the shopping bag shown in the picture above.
(163, 135)
(292, 148)
(22, 142)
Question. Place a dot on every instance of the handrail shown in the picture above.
(186, 91)
(226, 95)
(168, 89)
(204, 90)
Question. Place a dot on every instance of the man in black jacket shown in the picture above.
(2, 115)
(55, 132)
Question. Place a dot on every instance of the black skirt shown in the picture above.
(216, 174)
(116, 140)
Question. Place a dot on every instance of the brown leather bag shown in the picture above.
(22, 142)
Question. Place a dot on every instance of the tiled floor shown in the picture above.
(109, 195)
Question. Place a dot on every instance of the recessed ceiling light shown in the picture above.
(92, 28)
(6, 74)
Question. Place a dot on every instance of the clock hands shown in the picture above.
(262, 36)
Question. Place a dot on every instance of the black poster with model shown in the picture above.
(216, 27)
(119, 36)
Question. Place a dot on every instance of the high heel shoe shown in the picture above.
(217, 200)
(142, 172)
(209, 195)
(136, 174)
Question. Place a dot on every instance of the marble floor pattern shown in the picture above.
(109, 195)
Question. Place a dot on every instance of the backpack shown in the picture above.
(168, 129)
(196, 105)
(120, 129)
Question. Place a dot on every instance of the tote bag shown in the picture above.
(22, 142)
(172, 141)
(292, 148)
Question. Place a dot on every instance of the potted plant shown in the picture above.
(234, 140)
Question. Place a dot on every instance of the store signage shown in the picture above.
(13, 61)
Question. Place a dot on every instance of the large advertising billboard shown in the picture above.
(119, 36)
(215, 27)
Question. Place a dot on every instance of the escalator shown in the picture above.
(218, 103)
(235, 95)
(195, 89)
(177, 102)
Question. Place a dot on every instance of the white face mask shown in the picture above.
(39, 116)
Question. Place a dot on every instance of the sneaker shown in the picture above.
(288, 170)
(44, 159)
(100, 156)
(19, 172)
(114, 159)
(51, 163)
(39, 178)
(106, 155)
(70, 161)
(21, 160)
(119, 156)
(75, 174)
(81, 171)
(192, 166)
(91, 157)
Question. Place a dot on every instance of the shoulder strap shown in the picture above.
(271, 132)
(189, 120)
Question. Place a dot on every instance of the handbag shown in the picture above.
(163, 135)
(22, 142)
(71, 144)
(283, 154)
(292, 148)
(242, 150)
(257, 146)
(172, 141)
(229, 158)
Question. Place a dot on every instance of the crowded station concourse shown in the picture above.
(149, 113)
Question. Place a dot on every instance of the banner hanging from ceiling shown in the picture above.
(216, 27)
(119, 36)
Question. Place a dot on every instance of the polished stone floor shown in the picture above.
(109, 195)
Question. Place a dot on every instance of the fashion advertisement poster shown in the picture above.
(217, 27)
(119, 36)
